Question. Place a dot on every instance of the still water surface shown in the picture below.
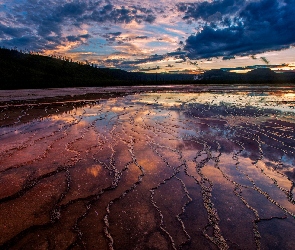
(151, 170)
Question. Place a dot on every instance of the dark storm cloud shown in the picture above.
(152, 58)
(176, 53)
(46, 20)
(115, 33)
(210, 11)
(78, 38)
(132, 64)
(6, 31)
(31, 43)
(112, 36)
(141, 37)
(228, 58)
(121, 14)
(234, 27)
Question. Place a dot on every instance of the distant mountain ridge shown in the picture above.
(255, 76)
(24, 71)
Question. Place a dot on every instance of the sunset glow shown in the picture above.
(188, 36)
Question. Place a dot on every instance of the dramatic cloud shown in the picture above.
(233, 27)
(6, 31)
(78, 38)
(129, 33)
(48, 21)
(210, 11)
(133, 64)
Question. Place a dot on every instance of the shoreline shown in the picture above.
(32, 95)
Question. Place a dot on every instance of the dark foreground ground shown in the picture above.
(172, 169)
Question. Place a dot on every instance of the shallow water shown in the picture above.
(171, 169)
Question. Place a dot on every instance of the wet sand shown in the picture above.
(183, 167)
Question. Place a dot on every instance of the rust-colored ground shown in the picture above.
(173, 169)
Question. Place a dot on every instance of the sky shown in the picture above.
(154, 35)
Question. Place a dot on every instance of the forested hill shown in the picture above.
(24, 70)
(20, 70)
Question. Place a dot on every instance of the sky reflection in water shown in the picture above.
(150, 171)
